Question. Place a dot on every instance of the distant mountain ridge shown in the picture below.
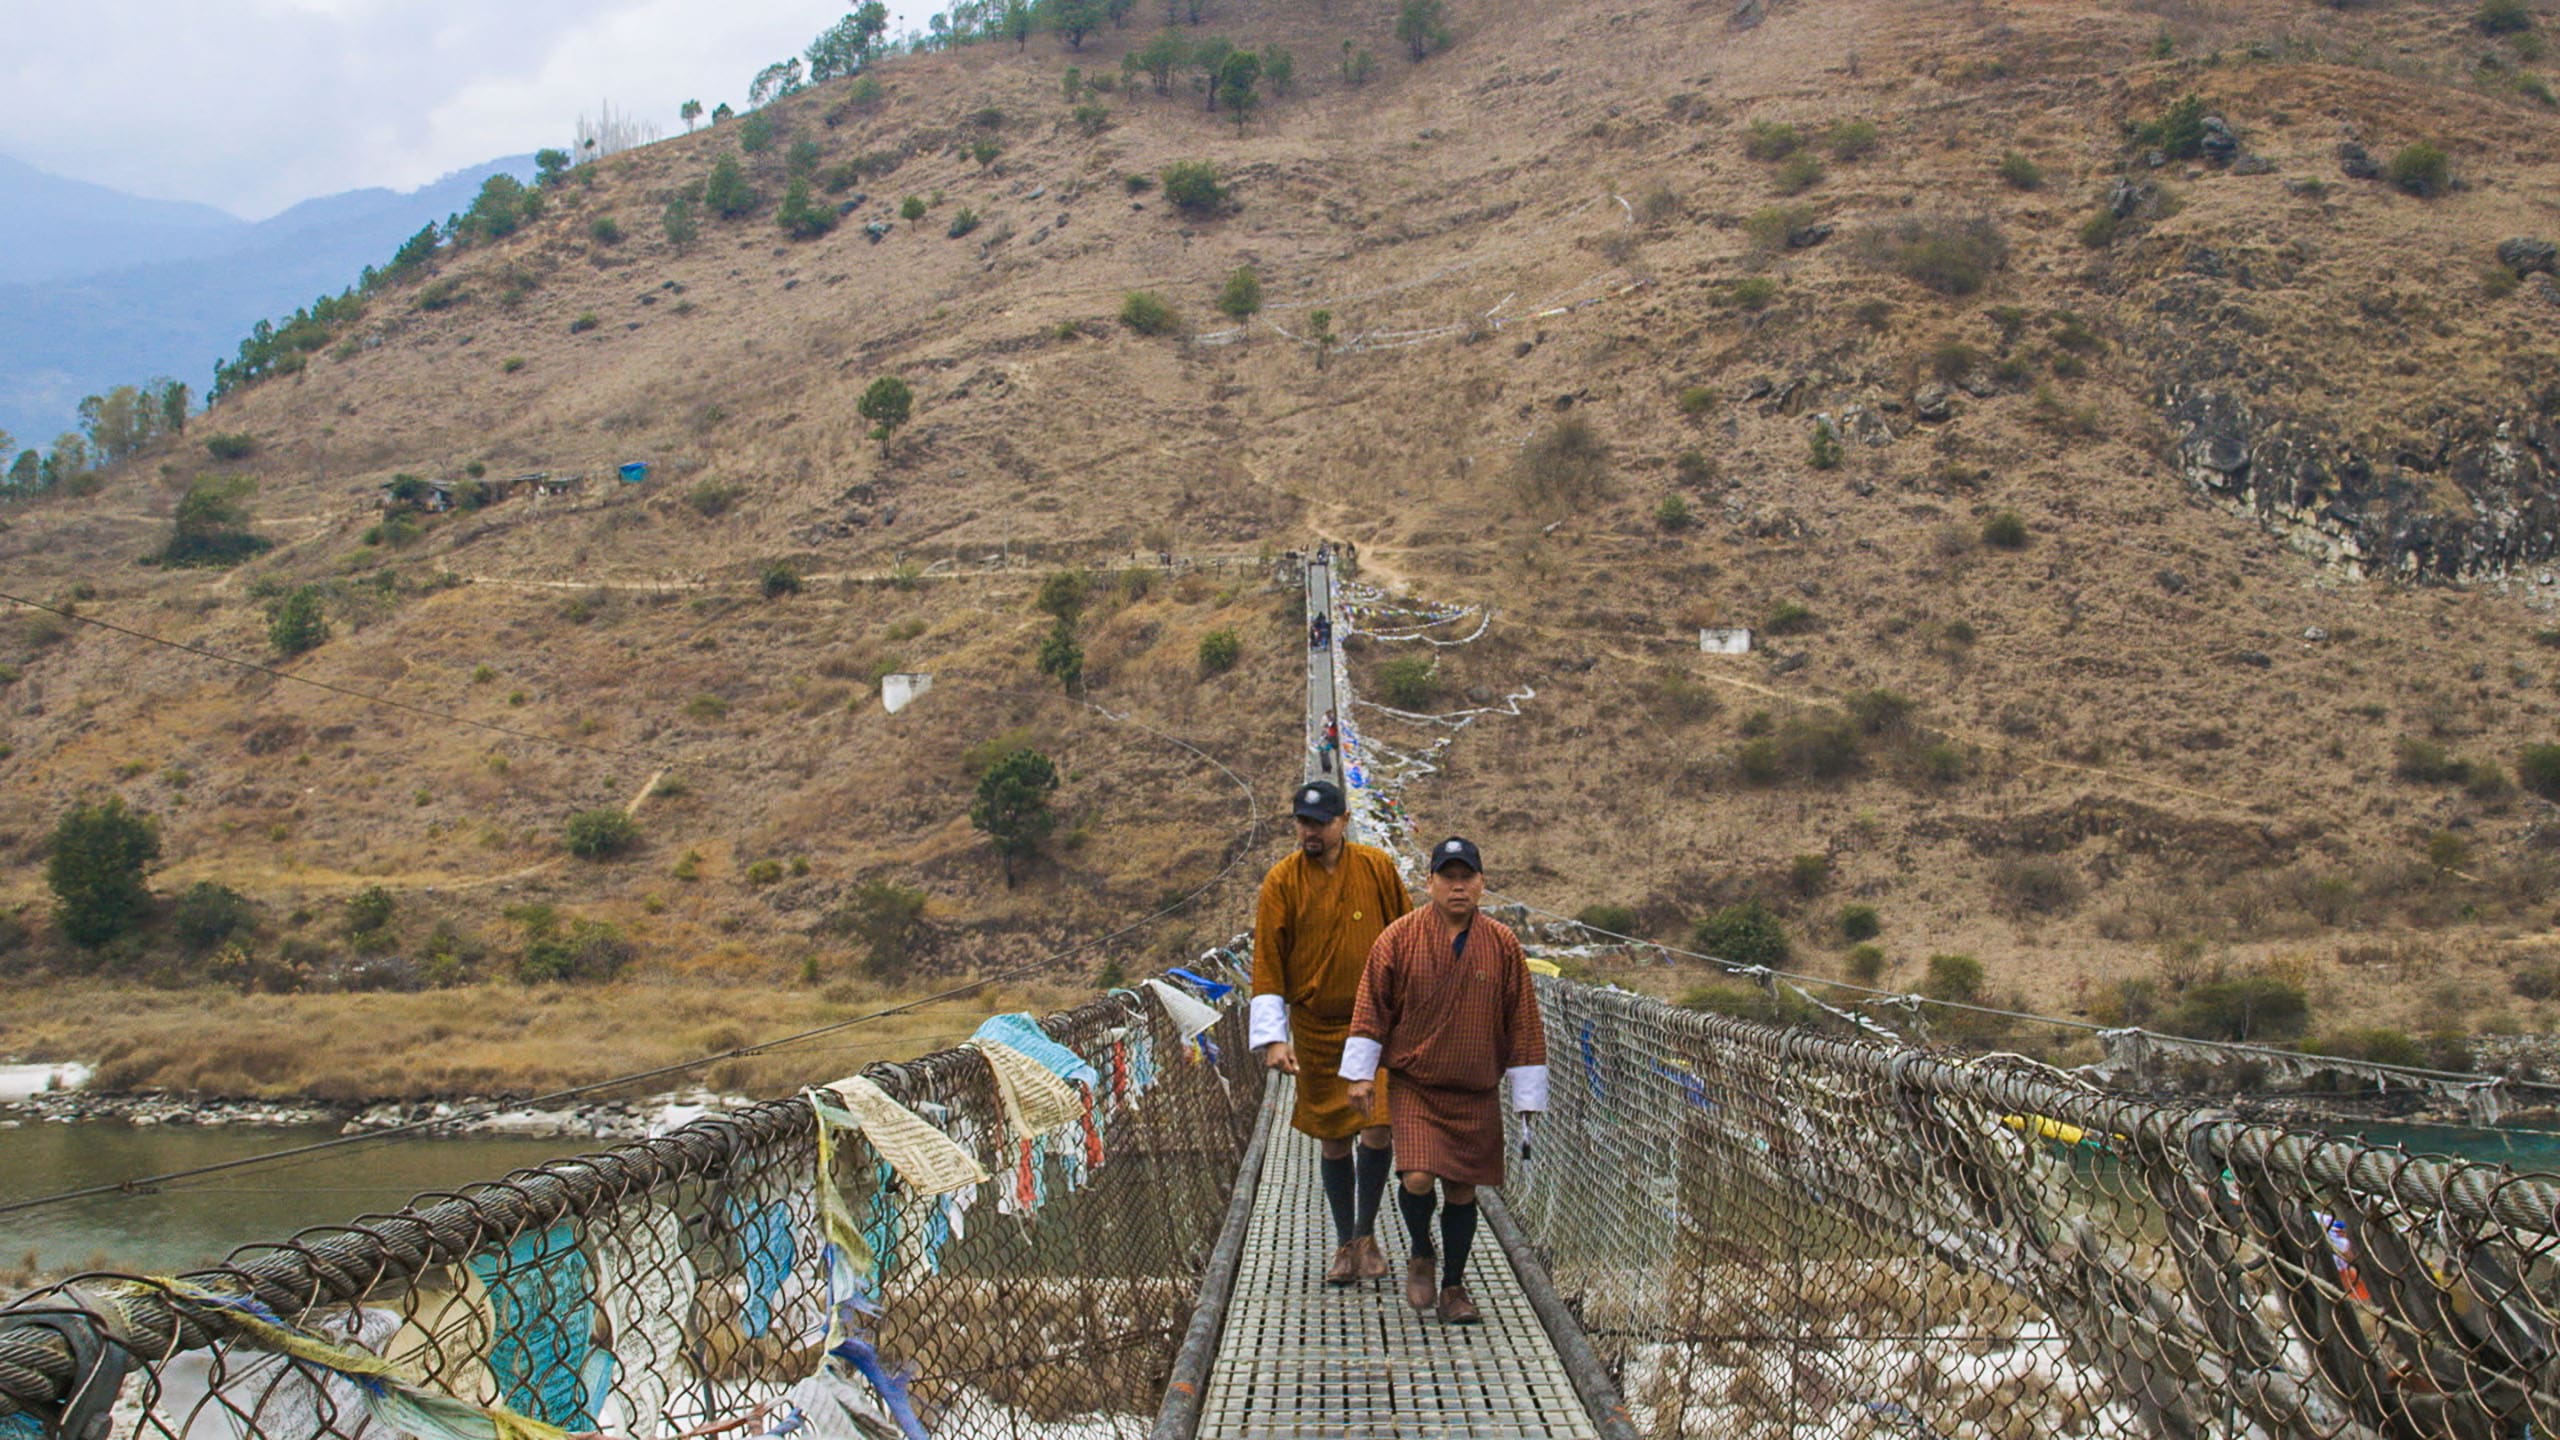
(99, 288)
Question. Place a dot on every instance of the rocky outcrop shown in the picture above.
(2467, 499)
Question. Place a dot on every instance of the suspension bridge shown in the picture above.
(1093, 1224)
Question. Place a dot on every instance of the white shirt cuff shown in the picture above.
(1528, 1087)
(1360, 1059)
(1269, 1021)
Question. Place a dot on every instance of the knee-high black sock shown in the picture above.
(1417, 1218)
(1374, 1165)
(1458, 1236)
(1337, 1193)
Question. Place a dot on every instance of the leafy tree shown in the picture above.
(8, 442)
(369, 910)
(801, 161)
(600, 834)
(502, 207)
(888, 920)
(1423, 26)
(67, 461)
(1209, 57)
(1242, 299)
(911, 209)
(722, 112)
(689, 112)
(1219, 650)
(682, 229)
(208, 914)
(800, 217)
(845, 47)
(1012, 806)
(774, 81)
(27, 471)
(2243, 1007)
(726, 193)
(1061, 658)
(1016, 19)
(101, 852)
(1118, 10)
(119, 422)
(1075, 19)
(886, 404)
(1146, 312)
(1159, 58)
(211, 526)
(1193, 187)
(1359, 67)
(174, 398)
(1280, 68)
(295, 623)
(415, 251)
(1746, 934)
(1237, 75)
(1063, 594)
(2538, 770)
(550, 166)
(755, 136)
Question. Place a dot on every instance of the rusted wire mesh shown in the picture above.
(1774, 1233)
(684, 1282)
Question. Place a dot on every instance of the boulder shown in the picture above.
(2357, 163)
(1932, 405)
(2126, 198)
(2527, 257)
(2253, 165)
(1805, 237)
(2219, 143)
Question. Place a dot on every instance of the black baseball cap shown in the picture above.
(1454, 851)
(1319, 800)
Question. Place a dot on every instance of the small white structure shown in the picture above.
(25, 1082)
(1734, 641)
(899, 691)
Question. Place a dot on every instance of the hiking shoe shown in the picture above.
(1371, 1259)
(1422, 1281)
(1345, 1267)
(1456, 1308)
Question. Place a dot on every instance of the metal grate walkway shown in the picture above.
(1302, 1360)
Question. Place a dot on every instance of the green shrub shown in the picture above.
(755, 136)
(1956, 978)
(1063, 594)
(1672, 514)
(2032, 886)
(1807, 875)
(962, 223)
(726, 193)
(2005, 530)
(95, 866)
(1801, 172)
(706, 707)
(1851, 140)
(1787, 617)
(2420, 169)
(1242, 297)
(764, 872)
(2538, 770)
(2377, 1046)
(2178, 132)
(2020, 173)
(605, 230)
(1824, 449)
(1060, 657)
(1615, 919)
(779, 579)
(586, 321)
(295, 623)
(1860, 922)
(1194, 188)
(236, 445)
(1746, 934)
(712, 498)
(1878, 711)
(208, 914)
(1771, 140)
(2099, 230)
(587, 950)
(2503, 17)
(600, 834)
(1754, 1003)
(1751, 293)
(1948, 255)
(1818, 746)
(2245, 1007)
(1408, 682)
(801, 216)
(1864, 964)
(1769, 228)
(1219, 650)
(887, 919)
(1940, 762)
(2425, 762)
(1147, 313)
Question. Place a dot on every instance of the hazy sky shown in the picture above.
(251, 105)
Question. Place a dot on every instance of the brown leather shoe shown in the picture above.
(1456, 1308)
(1345, 1267)
(1422, 1281)
(1372, 1260)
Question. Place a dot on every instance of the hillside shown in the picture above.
(2166, 608)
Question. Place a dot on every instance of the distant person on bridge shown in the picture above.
(1321, 910)
(1447, 1006)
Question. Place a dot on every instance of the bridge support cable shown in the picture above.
(1180, 1417)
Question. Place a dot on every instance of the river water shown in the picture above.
(196, 1222)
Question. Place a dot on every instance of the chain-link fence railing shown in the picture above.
(1776, 1233)
(708, 1281)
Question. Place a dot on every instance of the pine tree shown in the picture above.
(1013, 806)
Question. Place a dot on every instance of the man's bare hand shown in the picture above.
(1280, 1055)
(1362, 1091)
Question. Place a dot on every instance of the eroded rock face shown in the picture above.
(2469, 499)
